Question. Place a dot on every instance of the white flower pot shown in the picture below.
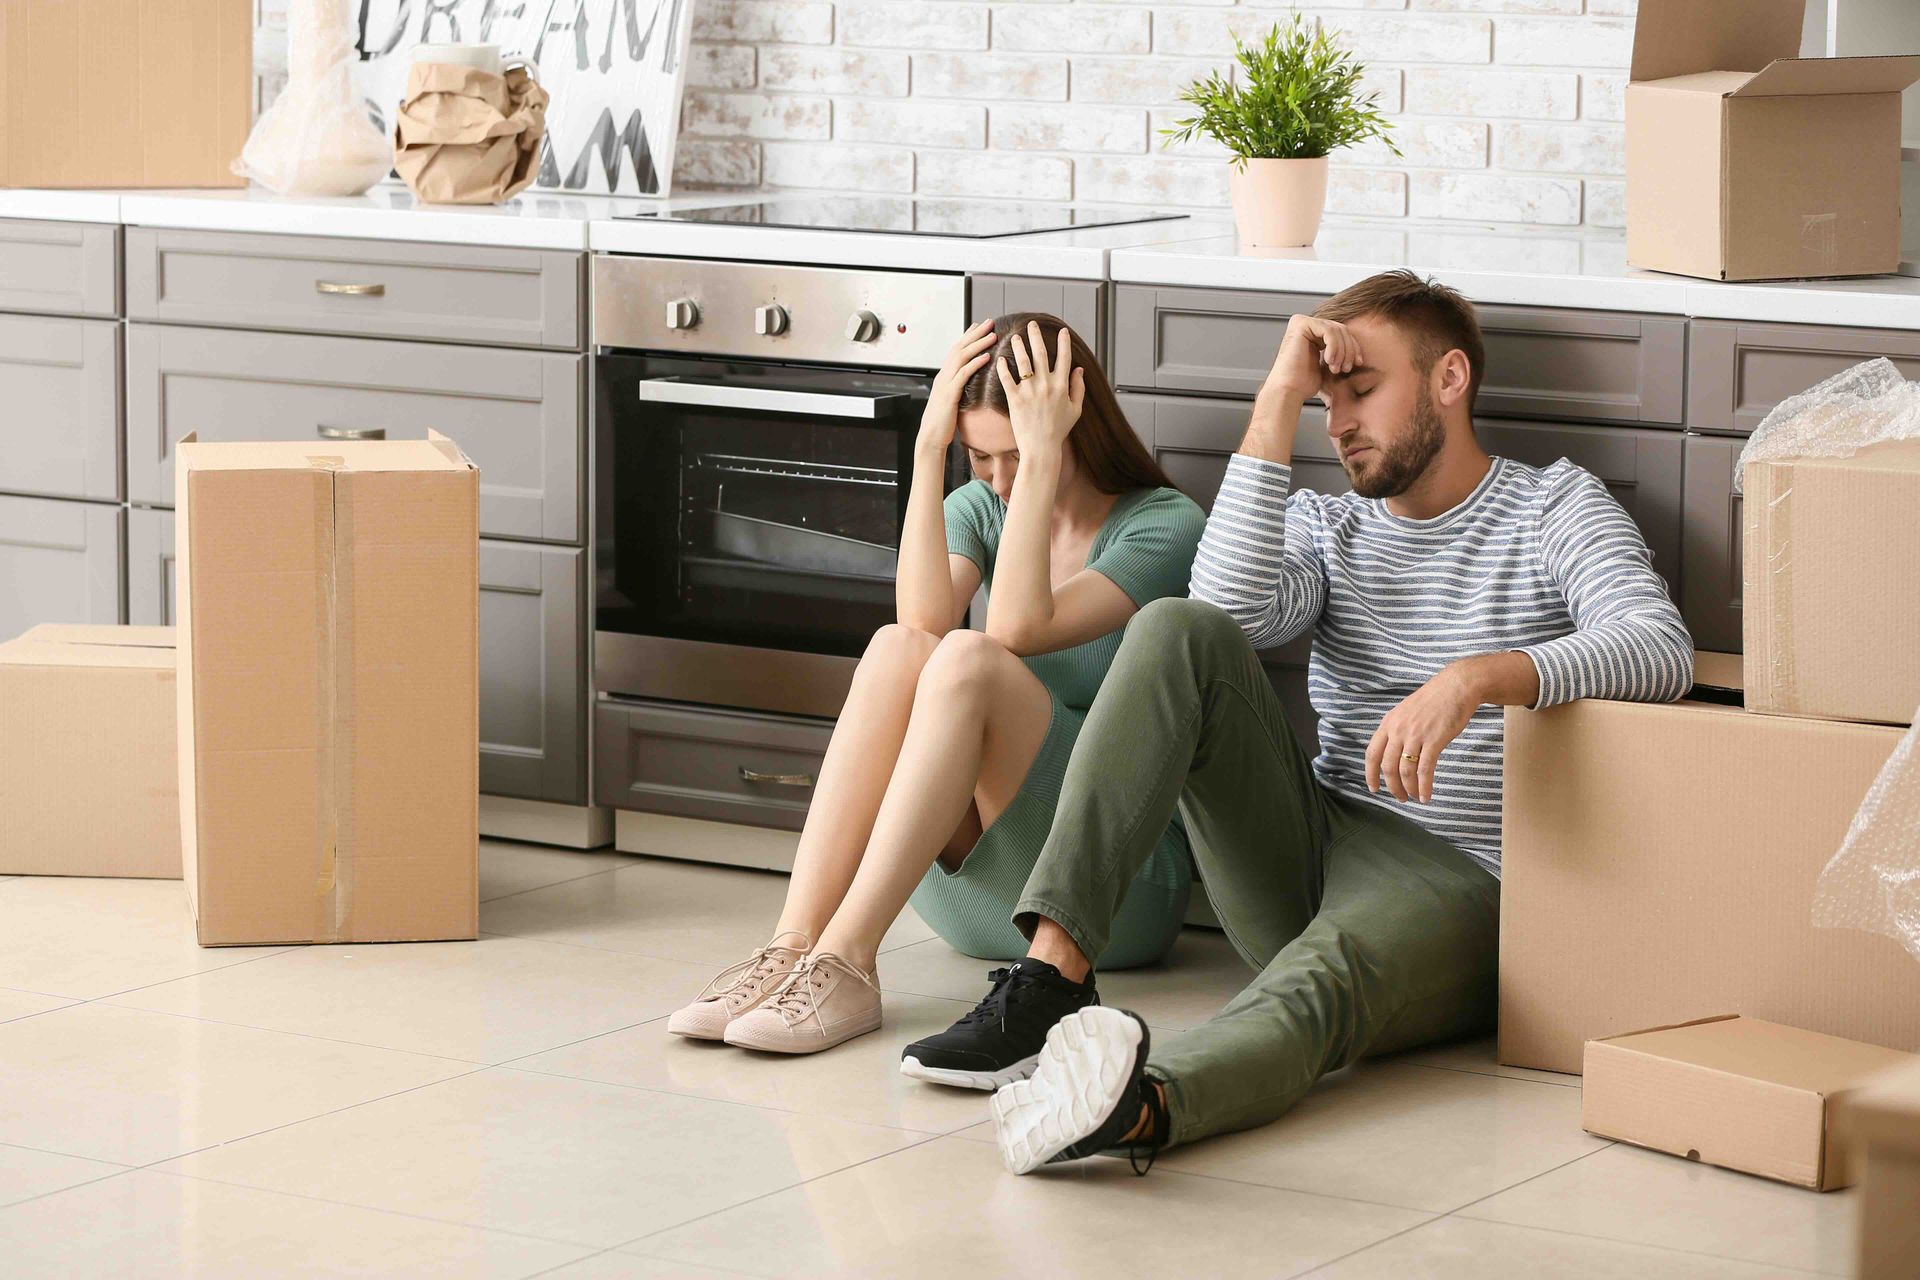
(1278, 203)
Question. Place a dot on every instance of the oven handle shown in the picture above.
(771, 399)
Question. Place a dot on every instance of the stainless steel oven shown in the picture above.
(755, 426)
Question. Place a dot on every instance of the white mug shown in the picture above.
(483, 57)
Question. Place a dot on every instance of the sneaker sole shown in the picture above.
(782, 1042)
(969, 1079)
(1075, 1086)
(697, 1028)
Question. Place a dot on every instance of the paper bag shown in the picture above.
(467, 136)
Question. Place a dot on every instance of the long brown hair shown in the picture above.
(1103, 442)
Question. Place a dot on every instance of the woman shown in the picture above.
(943, 771)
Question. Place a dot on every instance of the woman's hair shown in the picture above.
(1103, 442)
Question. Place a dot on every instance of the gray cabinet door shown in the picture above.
(724, 766)
(150, 582)
(63, 268)
(372, 288)
(533, 691)
(1193, 438)
(517, 414)
(1737, 372)
(1079, 302)
(60, 385)
(1711, 554)
(1216, 340)
(59, 562)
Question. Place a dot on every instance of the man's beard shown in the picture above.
(1394, 469)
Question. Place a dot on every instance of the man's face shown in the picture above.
(1381, 415)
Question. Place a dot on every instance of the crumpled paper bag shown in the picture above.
(467, 136)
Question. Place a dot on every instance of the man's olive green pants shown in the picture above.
(1369, 933)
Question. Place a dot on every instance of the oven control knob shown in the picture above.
(863, 326)
(770, 320)
(683, 313)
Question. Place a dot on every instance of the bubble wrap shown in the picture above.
(1867, 404)
(317, 139)
(1873, 883)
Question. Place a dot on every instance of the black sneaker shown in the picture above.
(1085, 1093)
(997, 1043)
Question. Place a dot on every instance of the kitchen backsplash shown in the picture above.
(1507, 110)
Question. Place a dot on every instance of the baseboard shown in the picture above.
(571, 826)
(663, 835)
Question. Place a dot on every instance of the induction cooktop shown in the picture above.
(963, 219)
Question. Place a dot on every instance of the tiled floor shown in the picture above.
(514, 1107)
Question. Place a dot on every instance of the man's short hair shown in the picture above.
(1435, 319)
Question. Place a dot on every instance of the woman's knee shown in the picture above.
(897, 650)
(965, 663)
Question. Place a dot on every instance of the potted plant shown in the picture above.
(1297, 100)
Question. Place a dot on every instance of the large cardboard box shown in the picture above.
(1741, 1093)
(124, 93)
(1745, 162)
(1882, 1124)
(1658, 865)
(328, 603)
(88, 783)
(1831, 585)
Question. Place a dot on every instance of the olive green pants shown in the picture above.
(1369, 933)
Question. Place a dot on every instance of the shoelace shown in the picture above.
(753, 969)
(797, 998)
(993, 1006)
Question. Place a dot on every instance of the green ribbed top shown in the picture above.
(1145, 548)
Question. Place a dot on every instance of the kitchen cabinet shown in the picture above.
(533, 671)
(1710, 576)
(1081, 303)
(150, 576)
(60, 562)
(59, 268)
(696, 762)
(60, 383)
(517, 414)
(1737, 372)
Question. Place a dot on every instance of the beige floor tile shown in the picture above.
(1463, 1249)
(24, 1004)
(948, 1209)
(134, 1087)
(687, 911)
(1405, 1136)
(1200, 975)
(152, 1224)
(573, 1160)
(1477, 1056)
(616, 1265)
(1646, 1197)
(86, 938)
(25, 1173)
(508, 867)
(484, 1001)
(859, 1080)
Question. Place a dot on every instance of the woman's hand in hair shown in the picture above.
(941, 418)
(1045, 403)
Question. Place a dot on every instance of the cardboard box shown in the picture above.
(1881, 1120)
(1745, 162)
(124, 93)
(328, 605)
(88, 783)
(1735, 1092)
(1831, 585)
(1658, 865)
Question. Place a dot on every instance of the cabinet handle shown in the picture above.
(777, 779)
(351, 433)
(357, 290)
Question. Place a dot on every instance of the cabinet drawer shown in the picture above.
(150, 580)
(533, 693)
(456, 293)
(726, 766)
(66, 268)
(1710, 577)
(60, 383)
(516, 413)
(1738, 372)
(1588, 365)
(1079, 302)
(59, 562)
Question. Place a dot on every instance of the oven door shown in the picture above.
(748, 527)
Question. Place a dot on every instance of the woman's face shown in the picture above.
(988, 438)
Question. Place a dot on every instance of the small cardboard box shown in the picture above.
(1736, 1092)
(1881, 1120)
(1831, 585)
(1659, 861)
(328, 606)
(88, 783)
(1745, 162)
(124, 93)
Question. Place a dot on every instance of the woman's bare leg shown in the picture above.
(853, 777)
(978, 720)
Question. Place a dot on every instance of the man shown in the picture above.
(1362, 885)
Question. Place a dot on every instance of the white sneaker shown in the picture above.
(738, 989)
(824, 1002)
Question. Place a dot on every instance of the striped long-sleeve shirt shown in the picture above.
(1539, 560)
